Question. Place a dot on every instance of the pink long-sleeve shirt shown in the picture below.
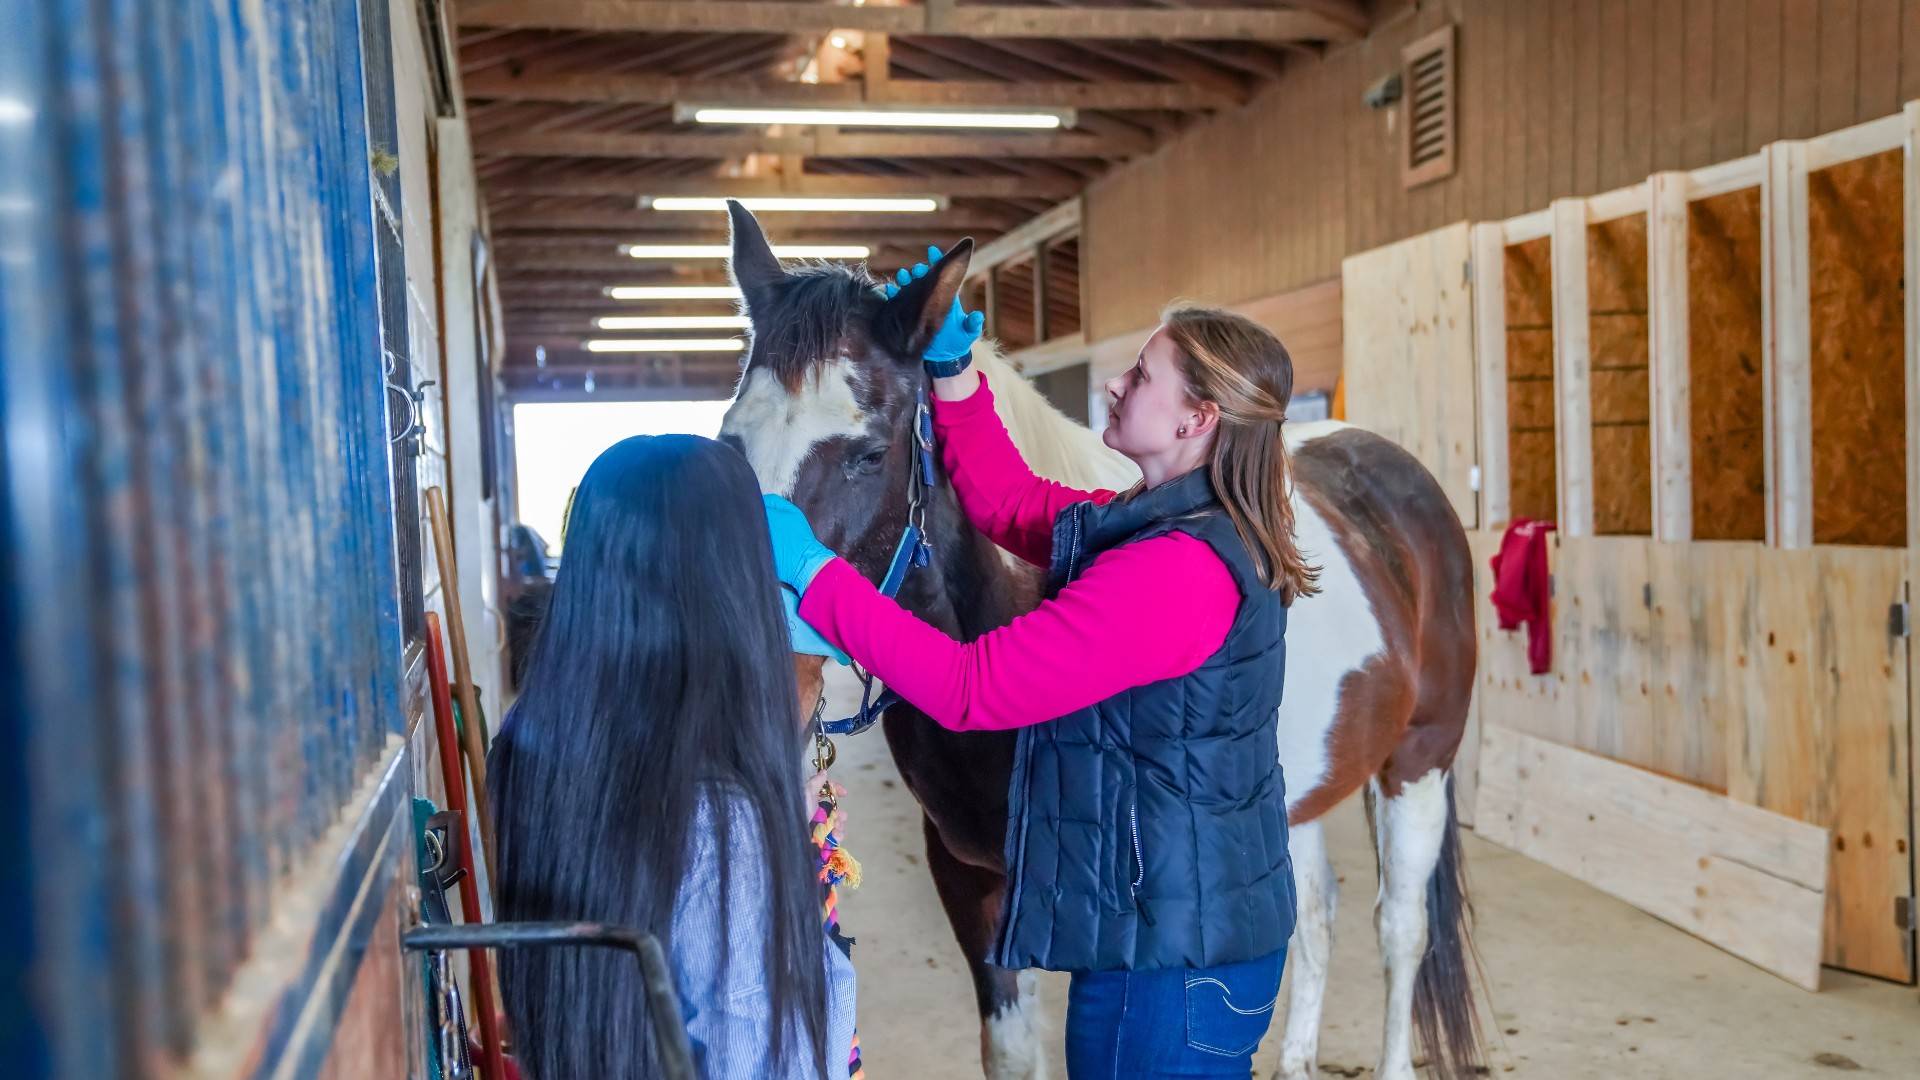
(1138, 614)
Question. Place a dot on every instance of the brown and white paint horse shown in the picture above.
(1379, 664)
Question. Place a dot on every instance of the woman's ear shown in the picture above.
(1203, 420)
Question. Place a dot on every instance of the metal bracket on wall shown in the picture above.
(415, 398)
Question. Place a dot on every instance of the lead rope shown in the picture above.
(836, 865)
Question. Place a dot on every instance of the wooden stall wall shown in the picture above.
(1564, 98)
(1776, 674)
(1409, 354)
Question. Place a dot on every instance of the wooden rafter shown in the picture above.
(538, 182)
(823, 144)
(651, 223)
(974, 20)
(966, 94)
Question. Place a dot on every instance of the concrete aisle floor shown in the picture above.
(1582, 985)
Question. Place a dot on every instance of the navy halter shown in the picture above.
(912, 550)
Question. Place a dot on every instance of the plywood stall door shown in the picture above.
(1408, 325)
(1531, 464)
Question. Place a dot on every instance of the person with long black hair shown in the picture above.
(649, 776)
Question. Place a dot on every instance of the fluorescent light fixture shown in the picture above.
(674, 292)
(671, 322)
(722, 251)
(785, 204)
(639, 345)
(923, 118)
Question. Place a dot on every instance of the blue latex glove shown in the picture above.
(805, 638)
(797, 554)
(961, 329)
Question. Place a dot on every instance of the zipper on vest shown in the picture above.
(1139, 864)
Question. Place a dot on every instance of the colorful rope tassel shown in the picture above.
(837, 868)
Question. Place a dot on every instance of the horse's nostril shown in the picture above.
(733, 441)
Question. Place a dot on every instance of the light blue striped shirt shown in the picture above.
(727, 1005)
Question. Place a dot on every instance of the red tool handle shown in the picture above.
(449, 741)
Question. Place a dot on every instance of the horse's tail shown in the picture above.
(1444, 1016)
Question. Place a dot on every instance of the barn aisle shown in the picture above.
(1585, 986)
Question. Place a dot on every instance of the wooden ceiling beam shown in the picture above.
(1163, 60)
(979, 187)
(961, 94)
(780, 224)
(942, 20)
(822, 144)
(523, 237)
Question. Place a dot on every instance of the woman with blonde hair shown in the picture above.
(1146, 843)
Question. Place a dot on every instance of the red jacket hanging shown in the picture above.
(1522, 590)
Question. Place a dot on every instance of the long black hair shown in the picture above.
(660, 678)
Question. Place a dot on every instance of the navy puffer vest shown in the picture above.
(1150, 830)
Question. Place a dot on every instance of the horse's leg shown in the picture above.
(1009, 1004)
(1312, 948)
(1409, 829)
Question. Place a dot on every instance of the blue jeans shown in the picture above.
(1175, 1022)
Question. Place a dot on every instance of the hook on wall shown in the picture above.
(415, 398)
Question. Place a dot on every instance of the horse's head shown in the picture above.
(826, 402)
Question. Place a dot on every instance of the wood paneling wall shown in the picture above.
(1557, 97)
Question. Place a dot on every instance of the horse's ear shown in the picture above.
(911, 317)
(753, 266)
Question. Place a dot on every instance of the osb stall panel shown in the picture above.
(1855, 270)
(1617, 365)
(1530, 441)
(1408, 330)
(1726, 416)
(1817, 689)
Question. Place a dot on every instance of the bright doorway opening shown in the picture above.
(555, 442)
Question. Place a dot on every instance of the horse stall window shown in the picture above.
(974, 296)
(1013, 304)
(1061, 287)
(1726, 410)
(1067, 388)
(1530, 423)
(1855, 269)
(1617, 362)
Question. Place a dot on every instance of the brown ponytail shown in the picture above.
(1241, 368)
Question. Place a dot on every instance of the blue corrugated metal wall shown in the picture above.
(198, 599)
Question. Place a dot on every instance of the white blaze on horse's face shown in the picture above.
(779, 429)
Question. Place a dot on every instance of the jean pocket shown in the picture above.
(1229, 1007)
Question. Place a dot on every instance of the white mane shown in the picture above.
(1053, 445)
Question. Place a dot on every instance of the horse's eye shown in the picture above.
(866, 458)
